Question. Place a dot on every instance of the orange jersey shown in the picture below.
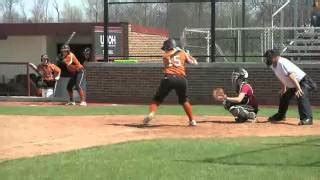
(49, 71)
(73, 64)
(174, 62)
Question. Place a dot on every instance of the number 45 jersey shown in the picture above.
(174, 62)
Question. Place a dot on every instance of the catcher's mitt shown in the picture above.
(218, 94)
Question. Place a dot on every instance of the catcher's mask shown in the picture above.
(269, 55)
(44, 59)
(239, 76)
(169, 44)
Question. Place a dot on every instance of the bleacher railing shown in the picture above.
(18, 78)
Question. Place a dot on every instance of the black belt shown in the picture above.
(174, 75)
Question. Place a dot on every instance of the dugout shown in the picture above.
(25, 43)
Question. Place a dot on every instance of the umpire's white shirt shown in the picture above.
(286, 67)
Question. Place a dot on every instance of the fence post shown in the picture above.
(213, 31)
(261, 45)
(235, 49)
(239, 42)
(28, 80)
(106, 30)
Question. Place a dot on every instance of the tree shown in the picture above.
(94, 10)
(24, 17)
(40, 11)
(8, 12)
(71, 13)
(57, 9)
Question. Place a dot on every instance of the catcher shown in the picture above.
(244, 106)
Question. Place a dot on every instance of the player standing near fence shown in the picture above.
(76, 72)
(50, 73)
(174, 60)
(294, 82)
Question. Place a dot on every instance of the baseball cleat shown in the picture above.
(193, 123)
(71, 103)
(277, 117)
(253, 117)
(83, 103)
(148, 118)
(305, 122)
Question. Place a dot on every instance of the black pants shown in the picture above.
(76, 81)
(304, 107)
(170, 82)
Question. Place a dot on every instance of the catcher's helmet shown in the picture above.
(169, 44)
(238, 76)
(269, 54)
(65, 48)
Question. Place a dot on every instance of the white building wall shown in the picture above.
(23, 49)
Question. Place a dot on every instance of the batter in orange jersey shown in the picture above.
(76, 71)
(174, 61)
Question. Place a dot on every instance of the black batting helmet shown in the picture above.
(65, 47)
(269, 54)
(44, 57)
(87, 51)
(169, 44)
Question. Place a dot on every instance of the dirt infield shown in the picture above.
(26, 136)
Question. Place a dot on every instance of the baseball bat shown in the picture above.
(70, 38)
(66, 43)
(55, 88)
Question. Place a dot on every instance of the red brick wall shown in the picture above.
(137, 83)
(144, 41)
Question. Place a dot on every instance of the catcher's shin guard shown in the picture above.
(240, 113)
(227, 105)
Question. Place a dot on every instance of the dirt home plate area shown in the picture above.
(27, 136)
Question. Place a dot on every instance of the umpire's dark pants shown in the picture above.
(304, 106)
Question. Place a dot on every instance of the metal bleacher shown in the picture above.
(304, 47)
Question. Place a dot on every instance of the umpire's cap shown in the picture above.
(269, 54)
(169, 44)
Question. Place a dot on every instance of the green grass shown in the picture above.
(292, 158)
(131, 110)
